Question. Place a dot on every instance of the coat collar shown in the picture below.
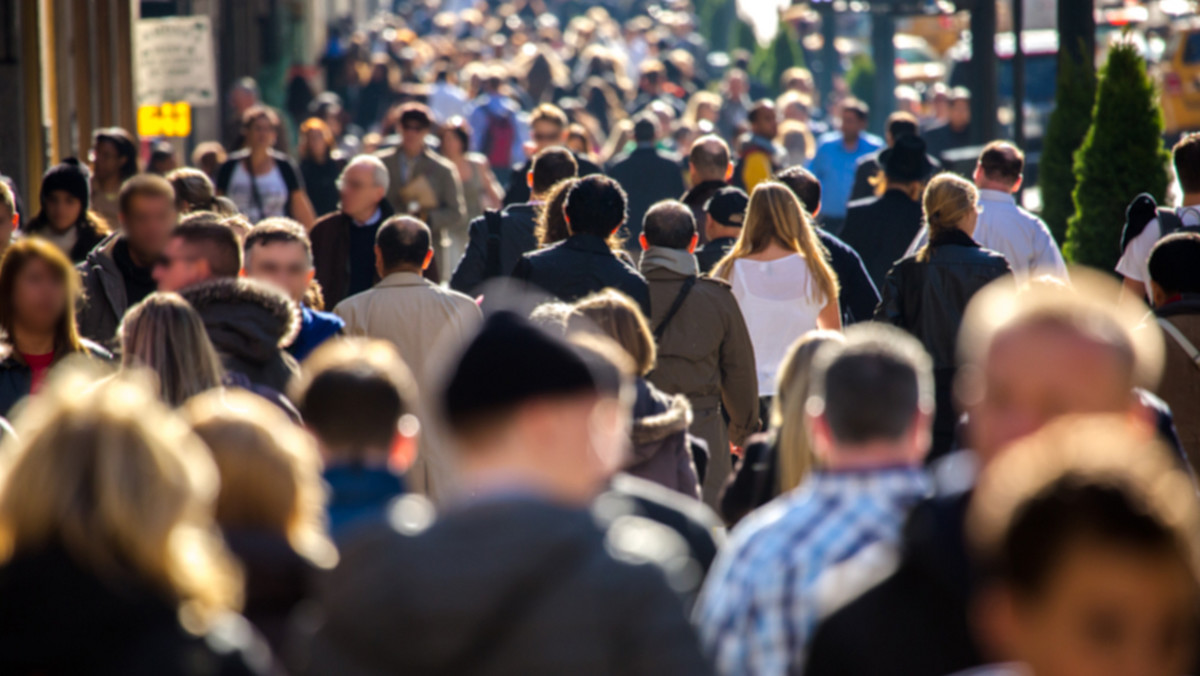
(1188, 304)
(397, 279)
(585, 242)
(953, 237)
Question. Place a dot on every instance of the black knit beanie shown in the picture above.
(70, 175)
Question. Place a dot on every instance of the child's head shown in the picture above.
(1088, 533)
(1174, 267)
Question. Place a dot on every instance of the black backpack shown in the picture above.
(1144, 209)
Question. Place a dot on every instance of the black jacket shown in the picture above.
(508, 586)
(648, 176)
(250, 324)
(16, 379)
(517, 238)
(880, 230)
(277, 579)
(58, 619)
(858, 295)
(916, 621)
(928, 300)
(581, 265)
(518, 188)
(106, 296)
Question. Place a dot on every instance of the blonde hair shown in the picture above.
(616, 316)
(113, 476)
(165, 335)
(948, 201)
(269, 468)
(774, 215)
(788, 418)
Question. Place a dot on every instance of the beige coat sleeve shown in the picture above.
(739, 376)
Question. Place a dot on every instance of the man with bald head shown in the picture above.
(709, 170)
(343, 241)
(404, 308)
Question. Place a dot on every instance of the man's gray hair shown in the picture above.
(379, 172)
(872, 387)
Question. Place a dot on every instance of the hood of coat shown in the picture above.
(244, 317)
(656, 417)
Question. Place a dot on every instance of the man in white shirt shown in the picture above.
(1006, 228)
(1136, 254)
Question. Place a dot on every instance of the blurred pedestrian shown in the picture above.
(837, 157)
(38, 292)
(647, 174)
(194, 191)
(709, 170)
(10, 218)
(547, 127)
(758, 156)
(114, 160)
(480, 188)
(64, 218)
(344, 241)
(106, 506)
(278, 251)
(724, 213)
(119, 272)
(320, 165)
(703, 347)
(780, 277)
(867, 171)
(261, 181)
(955, 132)
(164, 335)
(927, 294)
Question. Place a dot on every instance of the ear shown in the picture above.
(978, 176)
(312, 272)
(817, 210)
(428, 260)
(822, 436)
(379, 262)
(643, 242)
(529, 179)
(403, 453)
(1157, 295)
(693, 243)
(1017, 185)
(729, 172)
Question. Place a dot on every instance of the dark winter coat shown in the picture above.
(661, 452)
(277, 579)
(518, 188)
(57, 618)
(581, 265)
(881, 229)
(648, 175)
(695, 199)
(503, 586)
(16, 378)
(517, 225)
(250, 324)
(330, 237)
(320, 182)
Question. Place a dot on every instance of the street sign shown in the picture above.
(168, 119)
(174, 61)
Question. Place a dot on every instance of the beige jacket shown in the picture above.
(428, 325)
(434, 181)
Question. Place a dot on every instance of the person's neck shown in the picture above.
(62, 231)
(722, 232)
(412, 153)
(258, 156)
(369, 458)
(32, 342)
(995, 186)
(850, 142)
(709, 179)
(109, 183)
(1191, 199)
(363, 215)
(867, 456)
(399, 269)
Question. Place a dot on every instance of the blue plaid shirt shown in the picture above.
(793, 558)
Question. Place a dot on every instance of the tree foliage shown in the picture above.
(1121, 156)
(861, 77)
(1068, 126)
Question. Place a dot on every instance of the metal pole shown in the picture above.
(883, 47)
(983, 70)
(829, 54)
(1018, 76)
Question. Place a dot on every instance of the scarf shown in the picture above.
(678, 261)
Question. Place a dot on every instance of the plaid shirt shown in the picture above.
(798, 558)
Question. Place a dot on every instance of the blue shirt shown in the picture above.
(315, 328)
(795, 559)
(834, 167)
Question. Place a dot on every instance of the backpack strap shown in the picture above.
(254, 195)
(1180, 339)
(1169, 222)
(683, 293)
(495, 222)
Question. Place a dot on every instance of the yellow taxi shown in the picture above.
(1179, 79)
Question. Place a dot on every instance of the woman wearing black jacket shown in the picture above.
(64, 218)
(926, 294)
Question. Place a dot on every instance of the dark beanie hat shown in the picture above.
(728, 207)
(511, 361)
(69, 175)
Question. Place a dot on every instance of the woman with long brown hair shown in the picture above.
(927, 293)
(260, 180)
(781, 278)
(38, 291)
(320, 165)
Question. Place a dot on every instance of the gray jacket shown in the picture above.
(104, 300)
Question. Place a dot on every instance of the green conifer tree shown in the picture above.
(1065, 132)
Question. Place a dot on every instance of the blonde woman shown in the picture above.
(271, 505)
(781, 278)
(194, 191)
(926, 294)
(107, 542)
(776, 462)
(164, 335)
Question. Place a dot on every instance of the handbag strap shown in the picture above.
(254, 195)
(494, 226)
(1188, 348)
(683, 293)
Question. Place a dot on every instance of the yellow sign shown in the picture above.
(168, 119)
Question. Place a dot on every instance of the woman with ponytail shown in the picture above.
(926, 294)
(781, 278)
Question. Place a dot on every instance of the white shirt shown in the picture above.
(446, 101)
(272, 192)
(1136, 258)
(776, 298)
(1022, 238)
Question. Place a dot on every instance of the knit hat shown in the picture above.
(728, 207)
(71, 176)
(511, 361)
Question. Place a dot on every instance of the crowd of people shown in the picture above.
(543, 356)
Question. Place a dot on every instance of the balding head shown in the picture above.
(1000, 167)
(709, 159)
(402, 245)
(362, 186)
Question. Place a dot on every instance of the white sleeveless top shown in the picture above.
(776, 298)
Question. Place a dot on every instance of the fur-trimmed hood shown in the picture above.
(657, 416)
(244, 317)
